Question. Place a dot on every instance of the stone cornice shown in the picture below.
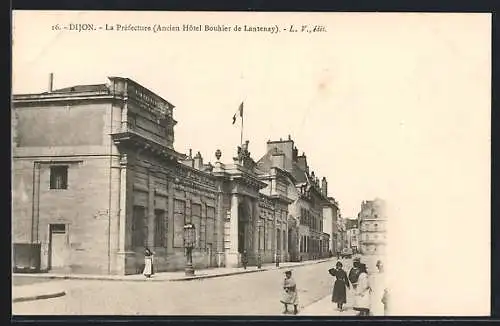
(130, 138)
(281, 198)
(46, 98)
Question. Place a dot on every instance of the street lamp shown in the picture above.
(189, 242)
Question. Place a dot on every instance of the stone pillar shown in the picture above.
(124, 118)
(125, 191)
(170, 216)
(114, 216)
(123, 205)
(256, 229)
(233, 257)
(151, 212)
(219, 225)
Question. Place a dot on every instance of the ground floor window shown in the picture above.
(139, 227)
(160, 228)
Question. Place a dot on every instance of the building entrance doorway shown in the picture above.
(243, 219)
(57, 243)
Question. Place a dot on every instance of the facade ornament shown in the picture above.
(123, 159)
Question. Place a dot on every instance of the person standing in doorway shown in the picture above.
(244, 259)
(259, 260)
(363, 292)
(339, 294)
(290, 296)
(148, 263)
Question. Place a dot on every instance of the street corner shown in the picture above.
(37, 296)
(23, 291)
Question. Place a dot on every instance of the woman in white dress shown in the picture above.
(148, 263)
(363, 293)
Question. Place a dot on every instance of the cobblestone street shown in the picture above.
(244, 294)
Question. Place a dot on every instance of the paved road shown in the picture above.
(244, 294)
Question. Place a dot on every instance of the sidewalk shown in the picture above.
(173, 276)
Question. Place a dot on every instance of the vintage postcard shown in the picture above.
(243, 163)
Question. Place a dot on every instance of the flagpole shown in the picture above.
(241, 133)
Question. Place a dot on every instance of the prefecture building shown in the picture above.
(373, 227)
(96, 179)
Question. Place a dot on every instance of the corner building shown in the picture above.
(373, 227)
(96, 178)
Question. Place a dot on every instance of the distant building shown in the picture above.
(352, 233)
(331, 213)
(341, 235)
(373, 227)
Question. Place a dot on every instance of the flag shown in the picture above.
(240, 110)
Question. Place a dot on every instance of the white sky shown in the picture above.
(389, 105)
(355, 99)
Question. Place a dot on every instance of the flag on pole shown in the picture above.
(240, 110)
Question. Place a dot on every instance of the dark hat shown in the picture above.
(288, 272)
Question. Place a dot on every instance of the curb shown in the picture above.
(214, 275)
(180, 279)
(40, 297)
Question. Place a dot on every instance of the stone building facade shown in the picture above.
(307, 239)
(96, 179)
(373, 227)
(331, 214)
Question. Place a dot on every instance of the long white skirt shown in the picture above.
(148, 266)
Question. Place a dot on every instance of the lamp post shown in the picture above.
(189, 241)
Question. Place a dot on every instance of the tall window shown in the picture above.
(196, 220)
(210, 229)
(263, 235)
(59, 177)
(278, 240)
(284, 237)
(160, 229)
(179, 220)
(139, 227)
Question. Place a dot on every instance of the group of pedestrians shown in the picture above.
(367, 300)
(357, 280)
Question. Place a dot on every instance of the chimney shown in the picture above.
(198, 161)
(51, 82)
(324, 187)
(295, 154)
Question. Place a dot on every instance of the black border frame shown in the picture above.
(290, 6)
